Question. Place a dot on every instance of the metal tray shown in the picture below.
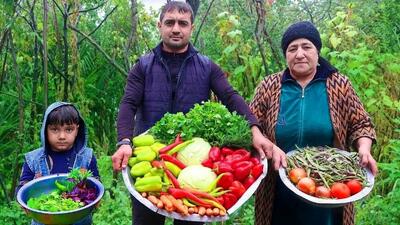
(193, 217)
(327, 203)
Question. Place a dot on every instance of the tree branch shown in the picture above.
(102, 21)
(97, 46)
(91, 9)
(202, 22)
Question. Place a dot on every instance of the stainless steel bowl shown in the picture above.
(327, 203)
(45, 185)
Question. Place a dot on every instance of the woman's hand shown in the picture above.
(267, 149)
(364, 152)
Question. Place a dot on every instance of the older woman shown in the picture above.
(308, 104)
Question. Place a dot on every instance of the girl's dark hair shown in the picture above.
(66, 114)
(182, 7)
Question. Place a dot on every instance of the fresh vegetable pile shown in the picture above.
(326, 173)
(211, 121)
(191, 177)
(71, 194)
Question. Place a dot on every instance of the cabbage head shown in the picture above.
(196, 177)
(194, 153)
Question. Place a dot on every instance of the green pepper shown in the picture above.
(157, 146)
(140, 169)
(148, 180)
(139, 150)
(60, 186)
(155, 172)
(143, 140)
(146, 155)
(132, 161)
(145, 184)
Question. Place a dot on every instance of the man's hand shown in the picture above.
(267, 149)
(121, 157)
(364, 152)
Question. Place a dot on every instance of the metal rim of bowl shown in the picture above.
(25, 186)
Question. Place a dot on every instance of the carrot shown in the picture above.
(222, 212)
(167, 203)
(202, 211)
(215, 211)
(144, 194)
(178, 205)
(153, 199)
(160, 205)
(191, 210)
(209, 212)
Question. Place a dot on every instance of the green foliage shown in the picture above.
(386, 207)
(211, 121)
(12, 214)
(115, 206)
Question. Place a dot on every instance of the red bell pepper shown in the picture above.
(226, 180)
(244, 153)
(237, 189)
(230, 159)
(255, 160)
(222, 167)
(208, 163)
(179, 194)
(241, 164)
(248, 182)
(214, 154)
(226, 151)
(243, 171)
(257, 170)
(173, 160)
(229, 200)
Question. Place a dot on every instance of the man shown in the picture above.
(172, 78)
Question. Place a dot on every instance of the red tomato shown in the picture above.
(296, 174)
(340, 190)
(355, 186)
(306, 185)
(322, 192)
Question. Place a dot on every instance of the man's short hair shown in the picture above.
(66, 114)
(182, 7)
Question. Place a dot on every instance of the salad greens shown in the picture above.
(53, 202)
(71, 193)
(211, 121)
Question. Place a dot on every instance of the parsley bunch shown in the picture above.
(211, 121)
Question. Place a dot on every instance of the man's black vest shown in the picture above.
(193, 86)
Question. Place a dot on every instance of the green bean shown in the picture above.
(327, 165)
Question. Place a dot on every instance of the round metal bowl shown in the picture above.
(45, 185)
(327, 203)
(129, 183)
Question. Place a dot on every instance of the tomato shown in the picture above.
(296, 174)
(355, 186)
(322, 192)
(306, 185)
(340, 190)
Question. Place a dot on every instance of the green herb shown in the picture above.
(53, 202)
(211, 121)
